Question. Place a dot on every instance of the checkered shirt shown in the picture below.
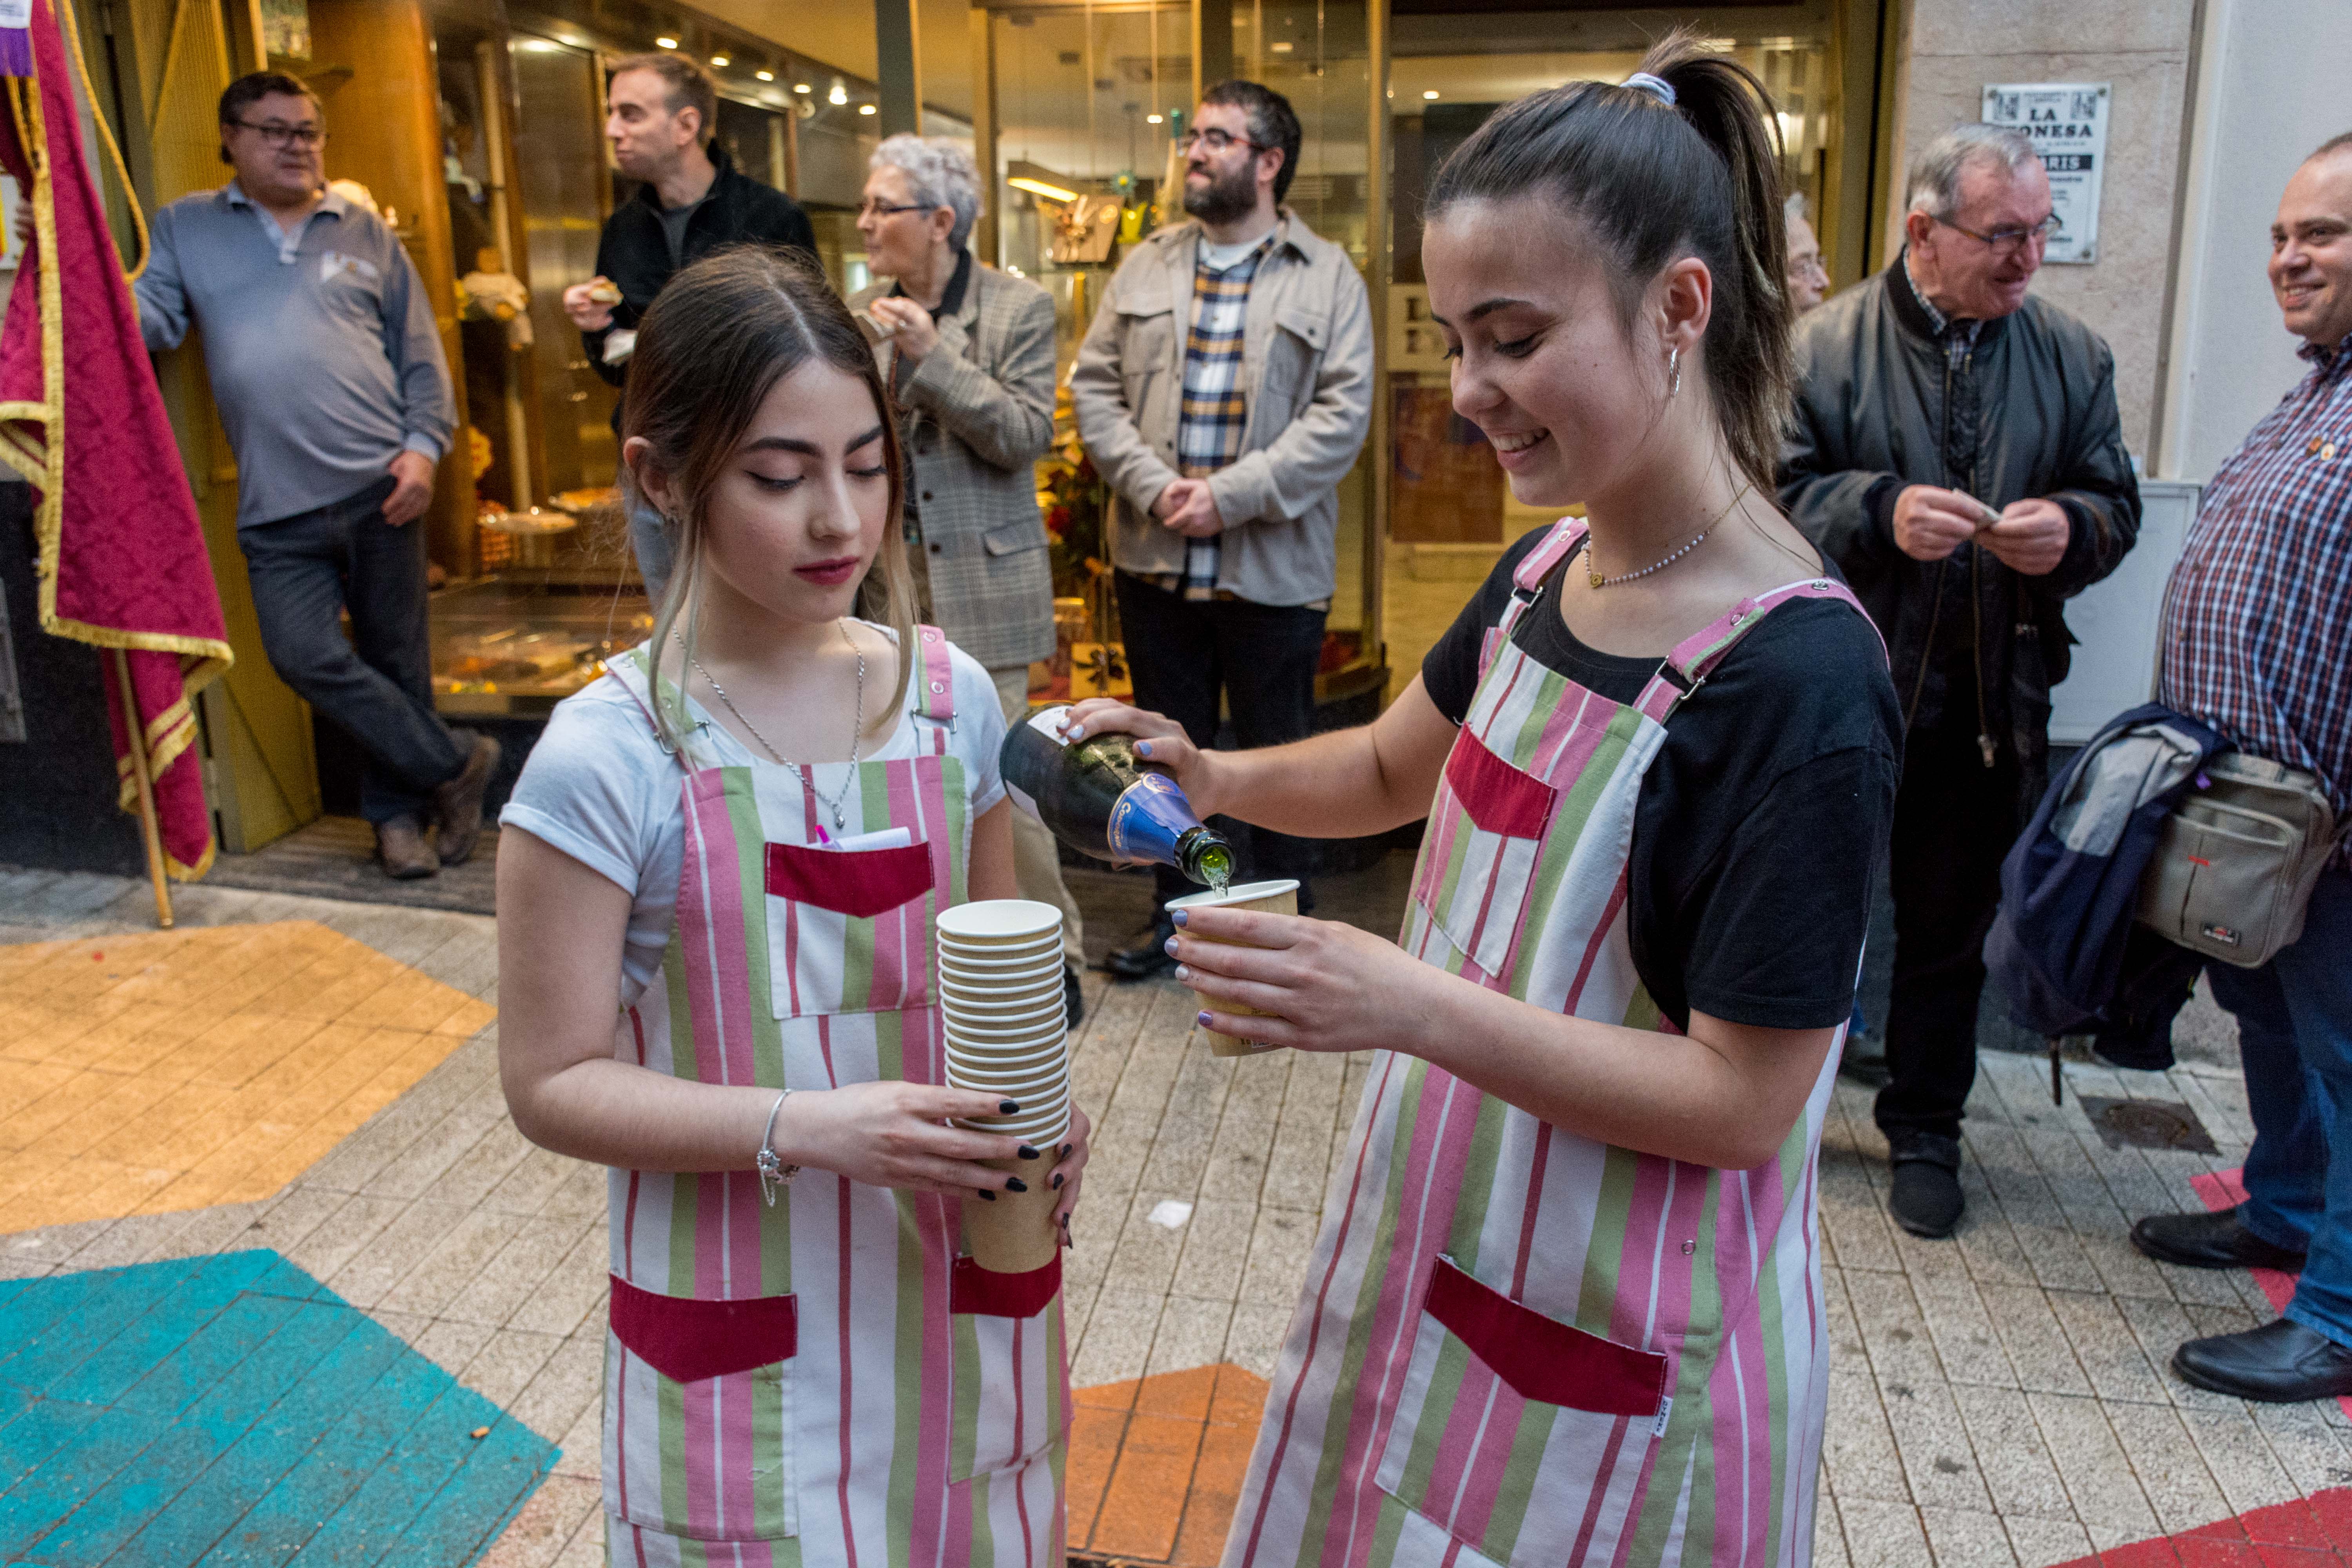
(2258, 615)
(1214, 417)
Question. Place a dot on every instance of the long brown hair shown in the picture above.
(719, 336)
(1653, 183)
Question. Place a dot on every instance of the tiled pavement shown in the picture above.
(1999, 1399)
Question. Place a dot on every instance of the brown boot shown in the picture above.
(457, 805)
(400, 845)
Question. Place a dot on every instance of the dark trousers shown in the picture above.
(2295, 1040)
(1954, 820)
(376, 684)
(1183, 652)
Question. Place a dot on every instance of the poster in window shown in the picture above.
(2067, 122)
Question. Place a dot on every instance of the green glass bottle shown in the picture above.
(1102, 800)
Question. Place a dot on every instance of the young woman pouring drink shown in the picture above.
(1565, 1306)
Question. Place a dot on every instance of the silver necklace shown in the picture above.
(856, 724)
(1597, 581)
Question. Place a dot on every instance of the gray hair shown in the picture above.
(1792, 211)
(1935, 184)
(940, 173)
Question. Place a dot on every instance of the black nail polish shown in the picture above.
(1015, 1185)
(1026, 1152)
(1007, 1107)
(984, 1191)
(1057, 1181)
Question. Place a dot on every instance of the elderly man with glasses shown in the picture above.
(327, 369)
(969, 353)
(1956, 451)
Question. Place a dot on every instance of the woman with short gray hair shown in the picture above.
(969, 354)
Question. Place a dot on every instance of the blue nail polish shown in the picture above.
(1143, 748)
(1178, 915)
(1015, 1185)
(1203, 1019)
(1169, 947)
(1007, 1107)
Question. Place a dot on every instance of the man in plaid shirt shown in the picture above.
(1223, 390)
(2258, 643)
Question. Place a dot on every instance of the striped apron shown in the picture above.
(824, 1382)
(1516, 1345)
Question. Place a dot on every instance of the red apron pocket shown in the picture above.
(982, 1292)
(1541, 1357)
(862, 883)
(1501, 799)
(687, 1339)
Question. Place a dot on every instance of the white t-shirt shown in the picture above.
(599, 787)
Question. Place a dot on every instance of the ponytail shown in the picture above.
(1653, 181)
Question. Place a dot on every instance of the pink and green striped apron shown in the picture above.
(825, 1382)
(1516, 1346)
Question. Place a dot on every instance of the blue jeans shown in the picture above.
(377, 683)
(2295, 1036)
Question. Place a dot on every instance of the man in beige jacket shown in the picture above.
(1223, 390)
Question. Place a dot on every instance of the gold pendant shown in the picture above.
(1596, 578)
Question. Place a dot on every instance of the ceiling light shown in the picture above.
(1432, 93)
(803, 87)
(665, 43)
(1278, 49)
(1153, 119)
(719, 62)
(866, 109)
(1040, 188)
(765, 76)
(839, 94)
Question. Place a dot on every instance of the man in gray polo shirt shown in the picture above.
(327, 373)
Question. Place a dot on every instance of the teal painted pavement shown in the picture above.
(232, 1410)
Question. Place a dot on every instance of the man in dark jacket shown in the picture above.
(1957, 450)
(661, 111)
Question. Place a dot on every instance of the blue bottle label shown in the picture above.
(1149, 816)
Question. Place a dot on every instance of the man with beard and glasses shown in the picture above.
(1223, 390)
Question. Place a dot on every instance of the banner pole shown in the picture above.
(135, 732)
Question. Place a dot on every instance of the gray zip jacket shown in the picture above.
(1306, 372)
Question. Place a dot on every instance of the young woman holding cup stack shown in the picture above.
(1565, 1306)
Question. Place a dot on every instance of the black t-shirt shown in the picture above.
(1763, 818)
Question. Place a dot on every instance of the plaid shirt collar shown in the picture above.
(2328, 360)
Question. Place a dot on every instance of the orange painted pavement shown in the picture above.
(212, 1065)
(1156, 1464)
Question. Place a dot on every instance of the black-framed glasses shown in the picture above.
(1217, 141)
(885, 209)
(278, 135)
(2008, 241)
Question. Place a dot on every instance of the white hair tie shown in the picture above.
(1658, 87)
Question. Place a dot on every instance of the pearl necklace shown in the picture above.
(1597, 581)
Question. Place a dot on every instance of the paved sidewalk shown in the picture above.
(2000, 1398)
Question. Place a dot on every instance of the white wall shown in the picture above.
(2271, 86)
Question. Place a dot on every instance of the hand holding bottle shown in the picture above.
(1159, 741)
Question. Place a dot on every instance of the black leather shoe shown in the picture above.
(457, 805)
(1864, 1062)
(2279, 1363)
(1927, 1199)
(1149, 957)
(400, 845)
(1073, 1000)
(2204, 1240)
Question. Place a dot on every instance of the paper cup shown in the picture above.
(963, 1016)
(1048, 962)
(999, 922)
(1261, 898)
(1049, 944)
(1017, 1056)
(1016, 1233)
(1033, 1082)
(1046, 1121)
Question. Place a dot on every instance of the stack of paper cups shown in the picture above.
(1001, 998)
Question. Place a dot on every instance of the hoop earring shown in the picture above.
(1674, 372)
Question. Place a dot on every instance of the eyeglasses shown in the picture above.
(1217, 141)
(278, 135)
(2009, 241)
(884, 209)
